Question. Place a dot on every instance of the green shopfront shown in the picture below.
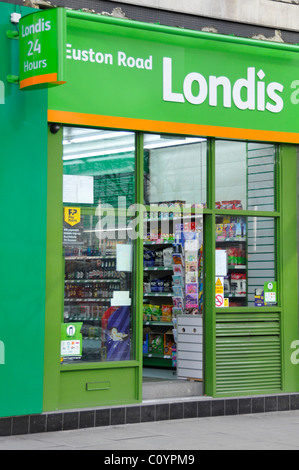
(168, 204)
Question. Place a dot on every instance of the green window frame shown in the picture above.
(285, 312)
(231, 315)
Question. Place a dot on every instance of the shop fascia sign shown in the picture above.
(250, 92)
(147, 76)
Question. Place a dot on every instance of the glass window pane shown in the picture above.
(98, 187)
(245, 175)
(175, 169)
(245, 260)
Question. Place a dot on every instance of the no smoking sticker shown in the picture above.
(219, 300)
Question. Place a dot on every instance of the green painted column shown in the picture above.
(55, 273)
(289, 266)
(23, 202)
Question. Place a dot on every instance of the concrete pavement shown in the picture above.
(264, 431)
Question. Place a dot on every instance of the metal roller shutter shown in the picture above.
(248, 353)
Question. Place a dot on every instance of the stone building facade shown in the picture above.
(274, 20)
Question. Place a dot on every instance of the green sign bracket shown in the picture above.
(12, 34)
(13, 79)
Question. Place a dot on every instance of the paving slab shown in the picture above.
(264, 431)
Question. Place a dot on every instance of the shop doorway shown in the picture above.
(173, 303)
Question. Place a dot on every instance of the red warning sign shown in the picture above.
(219, 300)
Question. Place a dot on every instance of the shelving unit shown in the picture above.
(158, 329)
(91, 280)
(157, 242)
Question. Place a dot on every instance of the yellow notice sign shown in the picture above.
(72, 215)
(219, 286)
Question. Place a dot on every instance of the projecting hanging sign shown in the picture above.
(42, 49)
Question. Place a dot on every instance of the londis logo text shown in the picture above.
(38, 27)
(2, 93)
(252, 92)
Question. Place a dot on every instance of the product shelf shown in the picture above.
(159, 242)
(83, 300)
(175, 219)
(88, 258)
(231, 240)
(237, 266)
(234, 295)
(82, 318)
(90, 281)
(158, 268)
(158, 323)
(156, 356)
(158, 294)
(95, 338)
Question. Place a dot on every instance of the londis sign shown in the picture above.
(130, 75)
(42, 49)
(250, 92)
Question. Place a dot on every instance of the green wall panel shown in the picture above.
(54, 273)
(23, 173)
(98, 387)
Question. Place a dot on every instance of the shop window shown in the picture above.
(245, 175)
(98, 189)
(245, 262)
(175, 169)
